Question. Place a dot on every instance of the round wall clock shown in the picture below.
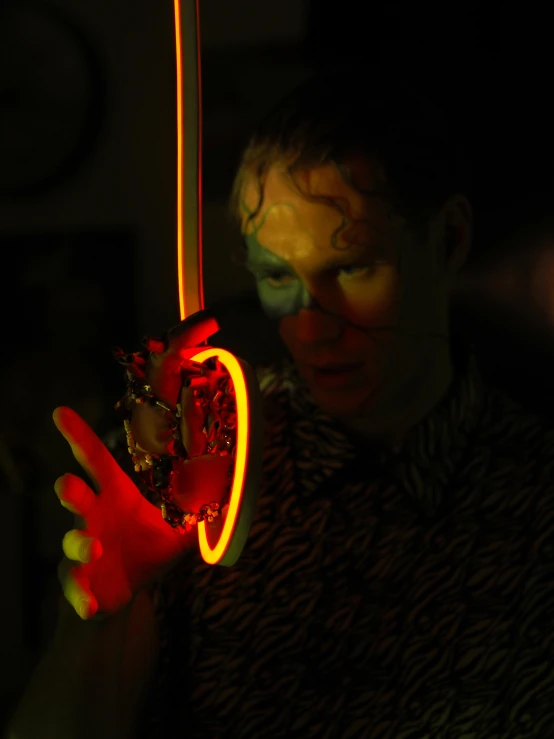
(52, 98)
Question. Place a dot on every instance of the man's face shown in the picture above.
(360, 296)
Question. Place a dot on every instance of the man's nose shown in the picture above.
(313, 326)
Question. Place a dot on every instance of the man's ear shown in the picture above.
(451, 245)
(457, 219)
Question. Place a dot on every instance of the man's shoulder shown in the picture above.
(276, 385)
(272, 377)
(513, 429)
(278, 380)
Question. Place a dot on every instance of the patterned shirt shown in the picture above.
(399, 596)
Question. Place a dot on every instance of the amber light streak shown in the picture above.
(216, 555)
(194, 100)
(245, 483)
(179, 66)
(199, 173)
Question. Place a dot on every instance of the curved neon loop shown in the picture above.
(209, 555)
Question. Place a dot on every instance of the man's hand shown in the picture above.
(120, 542)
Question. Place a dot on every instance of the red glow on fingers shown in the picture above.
(74, 494)
(95, 550)
(77, 434)
(87, 608)
(64, 418)
(87, 448)
(73, 428)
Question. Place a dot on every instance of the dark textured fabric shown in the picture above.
(408, 595)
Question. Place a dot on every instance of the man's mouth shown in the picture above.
(335, 368)
(331, 376)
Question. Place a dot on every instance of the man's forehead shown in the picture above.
(282, 193)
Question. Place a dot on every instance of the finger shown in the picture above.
(76, 590)
(87, 448)
(75, 494)
(81, 548)
(194, 330)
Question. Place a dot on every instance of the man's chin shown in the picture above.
(347, 402)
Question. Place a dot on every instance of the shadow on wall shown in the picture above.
(66, 301)
(245, 330)
(505, 300)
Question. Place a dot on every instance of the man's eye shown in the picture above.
(278, 279)
(281, 279)
(353, 270)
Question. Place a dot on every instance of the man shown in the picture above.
(397, 581)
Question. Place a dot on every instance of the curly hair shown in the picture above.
(354, 112)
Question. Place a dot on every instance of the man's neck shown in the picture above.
(386, 427)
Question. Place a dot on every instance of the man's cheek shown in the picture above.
(287, 330)
(276, 304)
(375, 308)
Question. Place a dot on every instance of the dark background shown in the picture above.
(87, 151)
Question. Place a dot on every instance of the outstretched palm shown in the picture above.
(120, 542)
